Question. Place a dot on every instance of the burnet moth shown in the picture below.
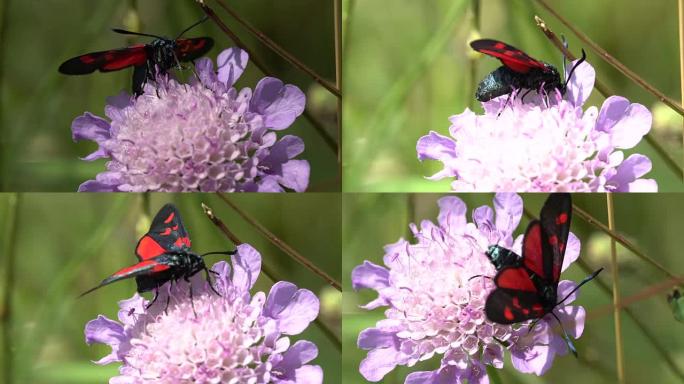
(160, 55)
(163, 255)
(527, 285)
(519, 71)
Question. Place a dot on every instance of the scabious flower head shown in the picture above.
(201, 136)
(234, 338)
(547, 144)
(436, 305)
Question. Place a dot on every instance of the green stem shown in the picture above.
(616, 293)
(6, 309)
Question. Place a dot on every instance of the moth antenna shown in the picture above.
(584, 57)
(202, 20)
(125, 32)
(230, 253)
(568, 341)
(565, 44)
(586, 280)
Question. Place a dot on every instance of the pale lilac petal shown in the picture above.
(572, 251)
(379, 362)
(509, 208)
(246, 266)
(91, 127)
(369, 275)
(629, 171)
(435, 146)
(231, 63)
(376, 338)
(280, 104)
(643, 185)
(452, 214)
(581, 84)
(106, 331)
(309, 374)
(572, 318)
(293, 308)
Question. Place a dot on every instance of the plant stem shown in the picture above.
(282, 245)
(606, 92)
(271, 274)
(680, 5)
(6, 309)
(614, 62)
(280, 51)
(338, 74)
(329, 140)
(616, 293)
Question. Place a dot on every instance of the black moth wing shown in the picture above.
(105, 61)
(510, 56)
(168, 230)
(509, 306)
(555, 218)
(193, 48)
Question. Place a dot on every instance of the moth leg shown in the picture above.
(525, 94)
(505, 104)
(211, 284)
(156, 294)
(192, 302)
(168, 298)
(486, 277)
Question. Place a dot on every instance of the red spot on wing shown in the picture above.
(166, 232)
(499, 45)
(148, 248)
(182, 241)
(175, 227)
(116, 60)
(515, 278)
(168, 219)
(146, 265)
(533, 257)
(508, 314)
(562, 218)
(553, 240)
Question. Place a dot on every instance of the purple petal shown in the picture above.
(105, 331)
(372, 338)
(293, 308)
(536, 359)
(509, 207)
(91, 127)
(572, 251)
(129, 308)
(631, 169)
(296, 356)
(231, 63)
(435, 146)
(246, 266)
(452, 214)
(422, 377)
(627, 123)
(309, 374)
(295, 175)
(379, 362)
(96, 186)
(581, 84)
(572, 318)
(643, 185)
(369, 275)
(205, 69)
(564, 289)
(280, 104)
(269, 184)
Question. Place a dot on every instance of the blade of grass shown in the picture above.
(271, 274)
(614, 62)
(606, 92)
(619, 358)
(287, 56)
(378, 126)
(680, 6)
(4, 154)
(9, 250)
(338, 73)
(282, 245)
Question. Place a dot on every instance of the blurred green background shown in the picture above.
(407, 68)
(38, 103)
(652, 222)
(67, 243)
